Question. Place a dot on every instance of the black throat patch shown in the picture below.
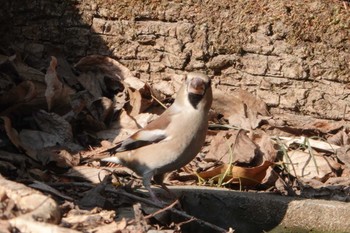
(194, 99)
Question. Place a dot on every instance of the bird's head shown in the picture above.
(197, 90)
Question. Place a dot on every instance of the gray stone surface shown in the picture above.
(260, 212)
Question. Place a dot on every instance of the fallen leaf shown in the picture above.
(32, 226)
(12, 133)
(343, 154)
(57, 159)
(64, 68)
(112, 227)
(100, 73)
(266, 145)
(24, 92)
(81, 217)
(341, 138)
(106, 65)
(15, 139)
(17, 159)
(33, 204)
(102, 109)
(252, 102)
(38, 139)
(57, 93)
(23, 99)
(54, 124)
(26, 72)
(317, 144)
(232, 143)
(135, 101)
(238, 175)
(93, 83)
(287, 122)
(305, 165)
(244, 110)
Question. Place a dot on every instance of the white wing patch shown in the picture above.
(151, 135)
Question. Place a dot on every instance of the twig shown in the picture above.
(162, 210)
(158, 101)
(184, 222)
(157, 212)
(146, 201)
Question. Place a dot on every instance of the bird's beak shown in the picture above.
(196, 86)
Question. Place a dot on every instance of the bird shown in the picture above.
(173, 139)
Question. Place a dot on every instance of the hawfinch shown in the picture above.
(173, 139)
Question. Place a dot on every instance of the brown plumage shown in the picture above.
(173, 139)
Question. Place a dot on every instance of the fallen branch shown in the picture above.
(162, 210)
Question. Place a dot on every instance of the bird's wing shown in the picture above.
(154, 132)
(141, 138)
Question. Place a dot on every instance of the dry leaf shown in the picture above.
(297, 125)
(33, 204)
(102, 109)
(103, 73)
(26, 72)
(57, 159)
(239, 175)
(135, 101)
(16, 140)
(56, 131)
(103, 64)
(93, 83)
(24, 92)
(341, 138)
(343, 154)
(57, 93)
(242, 110)
(266, 145)
(32, 226)
(64, 68)
(317, 144)
(23, 99)
(76, 217)
(232, 143)
(12, 133)
(54, 124)
(305, 165)
(110, 68)
(54, 85)
(112, 227)
(39, 139)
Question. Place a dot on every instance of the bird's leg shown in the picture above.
(159, 180)
(146, 180)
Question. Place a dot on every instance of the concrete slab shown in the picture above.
(261, 212)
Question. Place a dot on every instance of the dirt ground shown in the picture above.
(78, 76)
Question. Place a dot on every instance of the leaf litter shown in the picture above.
(56, 125)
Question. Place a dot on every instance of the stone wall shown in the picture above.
(295, 55)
